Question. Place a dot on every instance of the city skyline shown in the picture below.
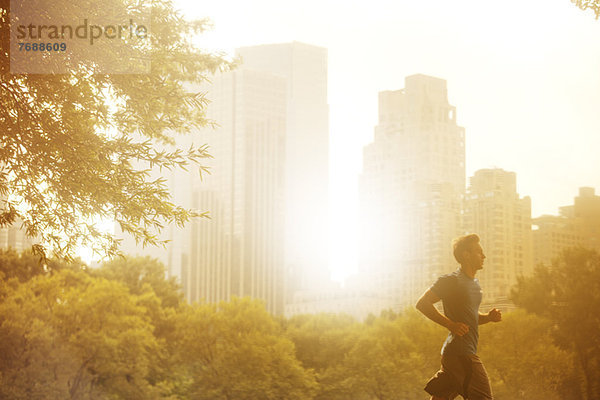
(410, 190)
(523, 75)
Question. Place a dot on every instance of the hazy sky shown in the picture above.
(524, 76)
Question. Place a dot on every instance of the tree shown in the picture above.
(70, 142)
(387, 357)
(568, 294)
(25, 265)
(322, 343)
(236, 350)
(321, 340)
(143, 274)
(522, 360)
(162, 300)
(17, 268)
(381, 364)
(588, 4)
(70, 336)
(394, 357)
(427, 338)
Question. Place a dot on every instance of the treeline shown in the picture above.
(124, 332)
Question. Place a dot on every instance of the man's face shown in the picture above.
(476, 256)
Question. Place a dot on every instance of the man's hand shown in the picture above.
(495, 315)
(458, 328)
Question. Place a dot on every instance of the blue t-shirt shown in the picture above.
(461, 297)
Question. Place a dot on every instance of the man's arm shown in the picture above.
(494, 315)
(425, 305)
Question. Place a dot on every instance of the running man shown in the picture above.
(462, 371)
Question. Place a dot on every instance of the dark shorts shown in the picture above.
(462, 375)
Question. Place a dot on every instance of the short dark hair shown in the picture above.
(462, 244)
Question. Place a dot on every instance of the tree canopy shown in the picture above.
(80, 146)
(567, 293)
(594, 5)
(122, 331)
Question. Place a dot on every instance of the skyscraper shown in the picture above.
(410, 190)
(585, 213)
(306, 154)
(494, 210)
(578, 225)
(239, 251)
(552, 234)
(14, 237)
(267, 191)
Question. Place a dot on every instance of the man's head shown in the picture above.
(468, 251)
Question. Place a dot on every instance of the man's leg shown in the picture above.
(452, 397)
(446, 382)
(479, 386)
